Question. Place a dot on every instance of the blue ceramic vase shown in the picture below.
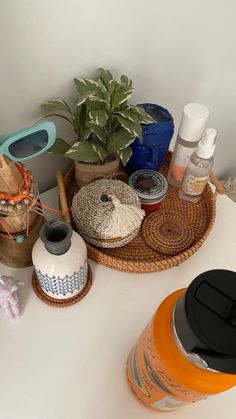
(150, 153)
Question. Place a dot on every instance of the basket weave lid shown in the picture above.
(10, 177)
(92, 205)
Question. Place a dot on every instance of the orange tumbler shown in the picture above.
(188, 350)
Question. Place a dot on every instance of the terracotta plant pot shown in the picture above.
(86, 173)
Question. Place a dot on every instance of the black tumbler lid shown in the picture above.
(205, 319)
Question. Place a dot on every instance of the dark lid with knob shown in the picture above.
(205, 319)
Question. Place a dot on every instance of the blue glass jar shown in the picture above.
(150, 153)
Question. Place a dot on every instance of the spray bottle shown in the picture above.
(188, 350)
(198, 169)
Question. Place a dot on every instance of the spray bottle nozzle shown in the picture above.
(206, 146)
(209, 137)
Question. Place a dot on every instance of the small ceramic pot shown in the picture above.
(60, 260)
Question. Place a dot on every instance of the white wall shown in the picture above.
(176, 51)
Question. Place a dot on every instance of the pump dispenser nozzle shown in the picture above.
(206, 146)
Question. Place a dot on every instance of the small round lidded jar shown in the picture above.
(150, 186)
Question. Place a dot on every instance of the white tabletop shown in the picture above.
(69, 363)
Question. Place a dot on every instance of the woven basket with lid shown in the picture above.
(92, 206)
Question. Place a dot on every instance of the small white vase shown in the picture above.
(60, 260)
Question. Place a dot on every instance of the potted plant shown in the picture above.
(105, 125)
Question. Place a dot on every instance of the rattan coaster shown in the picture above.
(168, 232)
(61, 303)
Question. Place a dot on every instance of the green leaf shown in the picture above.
(128, 114)
(125, 154)
(106, 77)
(144, 118)
(95, 106)
(83, 152)
(126, 81)
(120, 96)
(115, 125)
(76, 119)
(59, 147)
(81, 121)
(96, 99)
(81, 86)
(114, 85)
(119, 140)
(59, 115)
(85, 85)
(82, 98)
(98, 131)
(100, 100)
(99, 148)
(56, 105)
(134, 128)
(98, 117)
(104, 91)
(147, 119)
(79, 118)
(85, 134)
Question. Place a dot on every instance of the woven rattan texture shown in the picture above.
(137, 256)
(90, 223)
(54, 302)
(167, 232)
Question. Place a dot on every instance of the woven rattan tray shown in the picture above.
(137, 256)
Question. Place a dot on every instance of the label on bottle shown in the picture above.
(181, 158)
(194, 185)
(151, 383)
